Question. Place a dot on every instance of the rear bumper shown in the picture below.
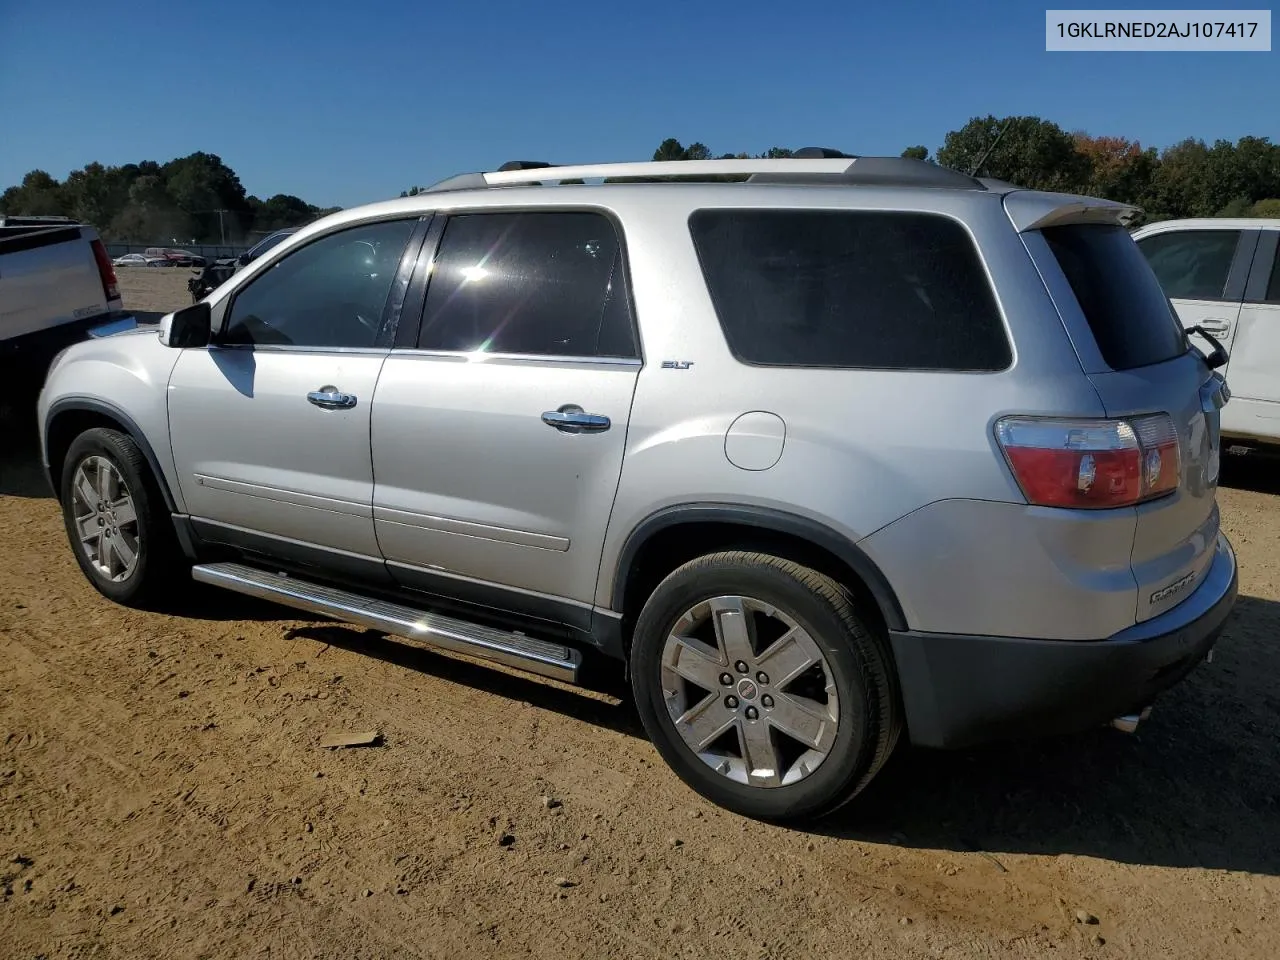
(962, 690)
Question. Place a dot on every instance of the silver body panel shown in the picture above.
(251, 452)
(447, 467)
(471, 482)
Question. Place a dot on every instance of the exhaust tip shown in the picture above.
(1128, 723)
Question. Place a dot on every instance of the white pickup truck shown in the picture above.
(1223, 276)
(56, 284)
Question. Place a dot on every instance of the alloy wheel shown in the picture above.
(106, 519)
(749, 691)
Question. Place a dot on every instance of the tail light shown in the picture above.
(1091, 463)
(106, 271)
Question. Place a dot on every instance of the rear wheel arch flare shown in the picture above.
(674, 535)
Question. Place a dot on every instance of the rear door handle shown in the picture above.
(570, 418)
(1217, 328)
(331, 398)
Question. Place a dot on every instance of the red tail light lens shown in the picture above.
(106, 271)
(1091, 463)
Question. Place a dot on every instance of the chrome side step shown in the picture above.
(431, 629)
(1129, 722)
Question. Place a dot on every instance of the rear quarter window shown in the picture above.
(1129, 313)
(850, 289)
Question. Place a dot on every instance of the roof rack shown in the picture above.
(810, 165)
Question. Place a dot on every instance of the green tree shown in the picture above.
(150, 215)
(1239, 207)
(97, 194)
(1269, 207)
(916, 153)
(39, 195)
(282, 210)
(1248, 169)
(1032, 153)
(207, 192)
(669, 149)
(1177, 184)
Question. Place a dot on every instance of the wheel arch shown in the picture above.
(672, 536)
(71, 416)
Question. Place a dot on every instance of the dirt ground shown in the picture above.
(154, 290)
(163, 794)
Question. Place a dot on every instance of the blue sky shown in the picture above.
(347, 102)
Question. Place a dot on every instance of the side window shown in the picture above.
(536, 283)
(329, 293)
(856, 289)
(1191, 264)
(265, 245)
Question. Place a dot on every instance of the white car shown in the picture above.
(1222, 276)
(140, 260)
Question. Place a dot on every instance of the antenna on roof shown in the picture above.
(983, 159)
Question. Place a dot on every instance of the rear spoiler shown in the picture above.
(1033, 210)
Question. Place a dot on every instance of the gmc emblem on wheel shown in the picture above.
(1175, 587)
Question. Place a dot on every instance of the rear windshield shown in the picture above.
(1131, 318)
(850, 289)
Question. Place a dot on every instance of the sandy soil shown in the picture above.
(154, 290)
(163, 794)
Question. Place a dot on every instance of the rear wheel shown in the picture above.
(761, 687)
(116, 520)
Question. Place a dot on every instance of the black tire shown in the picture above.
(159, 556)
(858, 660)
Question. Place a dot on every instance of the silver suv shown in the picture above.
(825, 451)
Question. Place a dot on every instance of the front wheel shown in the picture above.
(761, 687)
(120, 531)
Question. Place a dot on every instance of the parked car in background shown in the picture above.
(1223, 277)
(178, 258)
(56, 283)
(853, 452)
(141, 260)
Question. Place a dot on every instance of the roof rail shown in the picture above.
(831, 167)
(885, 171)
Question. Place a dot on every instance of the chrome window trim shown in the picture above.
(291, 348)
(481, 357)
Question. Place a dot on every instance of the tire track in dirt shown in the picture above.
(189, 746)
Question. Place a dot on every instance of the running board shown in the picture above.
(431, 629)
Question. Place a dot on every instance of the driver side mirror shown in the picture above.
(189, 327)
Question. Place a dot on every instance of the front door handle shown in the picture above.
(1216, 328)
(331, 398)
(570, 418)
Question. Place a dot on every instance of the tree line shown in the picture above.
(192, 199)
(199, 199)
(1188, 179)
